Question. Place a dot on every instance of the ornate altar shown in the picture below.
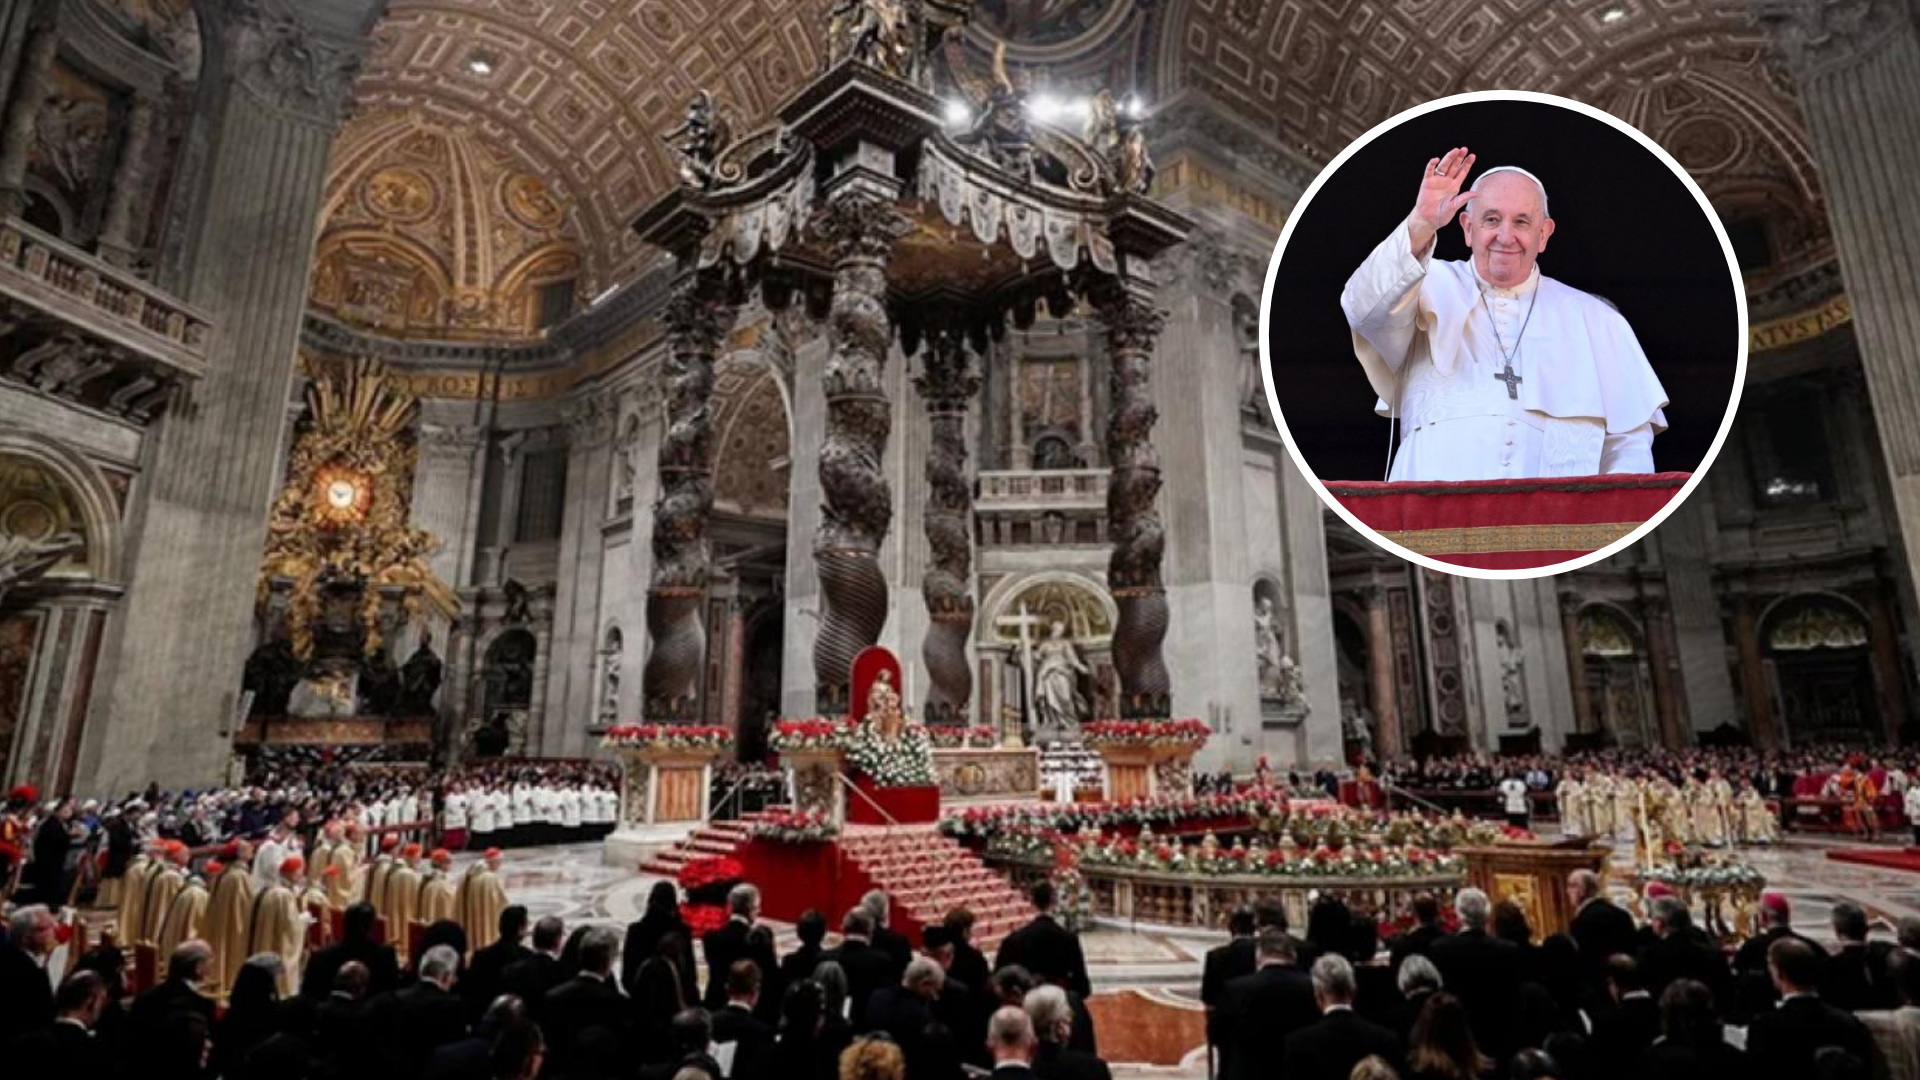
(871, 204)
(1146, 758)
(1533, 875)
(344, 573)
(666, 778)
(987, 772)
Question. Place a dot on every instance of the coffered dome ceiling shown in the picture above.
(430, 232)
(581, 89)
(576, 92)
(1693, 74)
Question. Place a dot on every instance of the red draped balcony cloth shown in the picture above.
(1509, 524)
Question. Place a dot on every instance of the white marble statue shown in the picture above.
(1268, 648)
(1058, 704)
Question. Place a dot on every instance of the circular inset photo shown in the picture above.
(1504, 335)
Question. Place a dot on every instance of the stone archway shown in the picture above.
(1614, 669)
(60, 521)
(1818, 652)
(1078, 602)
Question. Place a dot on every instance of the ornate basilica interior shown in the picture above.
(349, 349)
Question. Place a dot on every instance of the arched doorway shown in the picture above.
(1618, 683)
(1819, 659)
(507, 693)
(760, 683)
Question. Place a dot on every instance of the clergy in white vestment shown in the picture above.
(1493, 370)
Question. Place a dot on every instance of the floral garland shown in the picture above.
(792, 827)
(950, 736)
(906, 761)
(669, 737)
(1164, 733)
(818, 733)
(1725, 873)
(1148, 853)
(1167, 811)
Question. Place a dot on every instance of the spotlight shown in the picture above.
(1044, 107)
(1613, 14)
(480, 63)
(1135, 108)
(958, 114)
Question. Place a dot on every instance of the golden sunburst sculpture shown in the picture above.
(342, 515)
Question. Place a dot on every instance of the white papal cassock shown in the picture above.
(1588, 401)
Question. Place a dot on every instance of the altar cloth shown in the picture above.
(1508, 524)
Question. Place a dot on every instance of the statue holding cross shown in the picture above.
(1021, 624)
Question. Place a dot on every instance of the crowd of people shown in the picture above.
(538, 999)
(66, 850)
(1467, 994)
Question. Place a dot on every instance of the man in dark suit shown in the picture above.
(1257, 1012)
(345, 1039)
(1482, 971)
(1225, 963)
(729, 943)
(419, 1018)
(811, 929)
(46, 873)
(530, 979)
(1010, 1042)
(1600, 927)
(1782, 1041)
(23, 981)
(1054, 1056)
(1047, 949)
(71, 1045)
(356, 946)
(904, 1012)
(466, 1058)
(154, 1010)
(1752, 979)
(1682, 952)
(866, 967)
(588, 1000)
(898, 949)
(1623, 1032)
(736, 1026)
(1854, 977)
(1418, 941)
(480, 983)
(692, 1034)
(1329, 1048)
(958, 1006)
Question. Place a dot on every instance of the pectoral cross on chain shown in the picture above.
(1513, 381)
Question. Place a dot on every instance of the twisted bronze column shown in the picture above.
(859, 226)
(947, 382)
(1139, 539)
(696, 319)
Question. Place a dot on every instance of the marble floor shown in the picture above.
(1146, 978)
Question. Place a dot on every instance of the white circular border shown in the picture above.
(1521, 574)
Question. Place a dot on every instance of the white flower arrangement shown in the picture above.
(907, 761)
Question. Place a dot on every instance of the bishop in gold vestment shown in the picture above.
(437, 900)
(279, 924)
(161, 887)
(402, 904)
(228, 921)
(481, 899)
(185, 918)
(133, 898)
(336, 852)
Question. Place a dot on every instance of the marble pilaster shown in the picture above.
(130, 184)
(1857, 63)
(572, 659)
(177, 655)
(30, 89)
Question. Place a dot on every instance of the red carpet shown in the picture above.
(1900, 858)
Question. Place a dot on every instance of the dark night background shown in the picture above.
(1625, 228)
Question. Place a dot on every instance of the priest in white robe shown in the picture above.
(1493, 370)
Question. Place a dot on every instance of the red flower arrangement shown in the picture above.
(703, 919)
(950, 736)
(711, 870)
(1166, 733)
(669, 736)
(815, 734)
(792, 827)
